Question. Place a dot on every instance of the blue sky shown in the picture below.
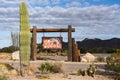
(90, 18)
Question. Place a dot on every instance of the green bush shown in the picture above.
(3, 77)
(47, 67)
(113, 63)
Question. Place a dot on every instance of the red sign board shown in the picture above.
(52, 42)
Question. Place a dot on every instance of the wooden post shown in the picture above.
(69, 43)
(31, 53)
(73, 49)
(34, 48)
(79, 56)
(77, 53)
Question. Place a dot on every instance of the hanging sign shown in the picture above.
(52, 42)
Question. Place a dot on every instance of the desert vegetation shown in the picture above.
(3, 77)
(51, 67)
(90, 71)
(113, 64)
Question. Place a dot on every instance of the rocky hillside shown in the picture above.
(98, 45)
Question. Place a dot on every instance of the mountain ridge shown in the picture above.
(97, 45)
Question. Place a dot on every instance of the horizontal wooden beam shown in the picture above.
(52, 30)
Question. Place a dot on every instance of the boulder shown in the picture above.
(83, 59)
(88, 57)
(15, 55)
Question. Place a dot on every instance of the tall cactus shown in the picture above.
(24, 39)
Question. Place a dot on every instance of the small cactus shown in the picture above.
(84, 72)
(91, 70)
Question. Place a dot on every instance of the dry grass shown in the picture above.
(5, 56)
(58, 67)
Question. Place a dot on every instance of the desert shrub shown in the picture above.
(39, 48)
(82, 50)
(100, 59)
(9, 49)
(47, 67)
(113, 63)
(57, 67)
(64, 54)
(3, 77)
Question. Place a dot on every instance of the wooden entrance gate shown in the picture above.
(34, 38)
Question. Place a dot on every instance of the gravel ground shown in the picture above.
(61, 77)
(64, 58)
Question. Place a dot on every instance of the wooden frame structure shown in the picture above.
(34, 37)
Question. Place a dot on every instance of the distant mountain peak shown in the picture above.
(86, 39)
(91, 39)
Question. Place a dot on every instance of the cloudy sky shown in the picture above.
(90, 18)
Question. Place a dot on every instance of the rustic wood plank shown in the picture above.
(53, 30)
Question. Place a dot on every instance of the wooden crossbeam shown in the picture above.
(52, 30)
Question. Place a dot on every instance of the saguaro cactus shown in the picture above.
(24, 39)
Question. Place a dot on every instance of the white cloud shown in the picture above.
(89, 16)
(86, 4)
(94, 16)
(39, 2)
(73, 4)
(92, 20)
(8, 3)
